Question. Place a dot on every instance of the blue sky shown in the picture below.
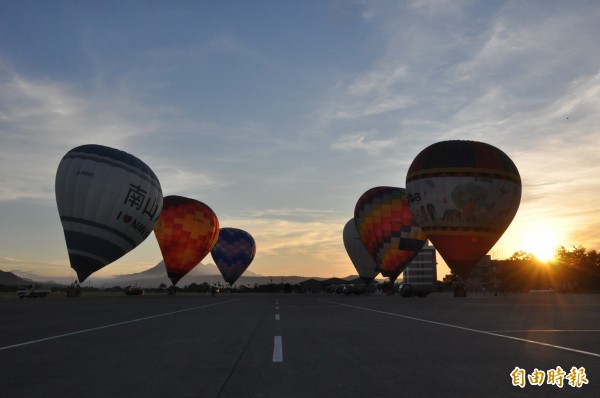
(280, 114)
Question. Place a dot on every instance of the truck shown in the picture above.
(32, 291)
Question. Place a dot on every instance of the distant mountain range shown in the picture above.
(157, 275)
(10, 279)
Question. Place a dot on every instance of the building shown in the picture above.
(421, 272)
(485, 276)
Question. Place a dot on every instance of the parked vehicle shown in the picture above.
(133, 291)
(359, 289)
(409, 290)
(354, 289)
(335, 289)
(32, 291)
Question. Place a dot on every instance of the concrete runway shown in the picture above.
(307, 345)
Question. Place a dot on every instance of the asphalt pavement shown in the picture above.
(301, 345)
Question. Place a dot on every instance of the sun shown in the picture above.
(542, 244)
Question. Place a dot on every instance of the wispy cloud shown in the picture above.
(41, 120)
(376, 92)
(363, 141)
(288, 214)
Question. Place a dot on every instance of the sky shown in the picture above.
(280, 114)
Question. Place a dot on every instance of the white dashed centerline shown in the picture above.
(277, 349)
(277, 343)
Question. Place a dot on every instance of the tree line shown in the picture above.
(574, 270)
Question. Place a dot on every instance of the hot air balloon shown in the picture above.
(386, 226)
(108, 202)
(186, 231)
(233, 253)
(464, 195)
(363, 262)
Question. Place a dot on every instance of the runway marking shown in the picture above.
(593, 354)
(546, 330)
(111, 325)
(277, 349)
(276, 317)
(277, 307)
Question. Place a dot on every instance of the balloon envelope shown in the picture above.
(464, 195)
(108, 202)
(233, 253)
(387, 228)
(363, 262)
(186, 231)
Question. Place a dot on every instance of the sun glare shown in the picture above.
(542, 244)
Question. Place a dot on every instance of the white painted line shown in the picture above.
(545, 331)
(276, 317)
(111, 325)
(277, 349)
(276, 301)
(277, 307)
(593, 354)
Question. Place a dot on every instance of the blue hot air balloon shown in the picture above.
(233, 253)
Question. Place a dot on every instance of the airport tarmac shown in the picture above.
(301, 345)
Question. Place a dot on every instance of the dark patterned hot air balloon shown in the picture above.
(464, 195)
(233, 253)
(388, 230)
(108, 201)
(186, 231)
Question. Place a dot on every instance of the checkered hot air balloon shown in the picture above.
(186, 231)
(387, 228)
(233, 253)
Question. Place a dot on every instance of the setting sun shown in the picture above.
(542, 244)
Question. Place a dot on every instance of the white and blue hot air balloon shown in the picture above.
(108, 201)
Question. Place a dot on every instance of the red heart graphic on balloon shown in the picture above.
(127, 218)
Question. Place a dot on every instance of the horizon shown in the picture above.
(280, 116)
(191, 277)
